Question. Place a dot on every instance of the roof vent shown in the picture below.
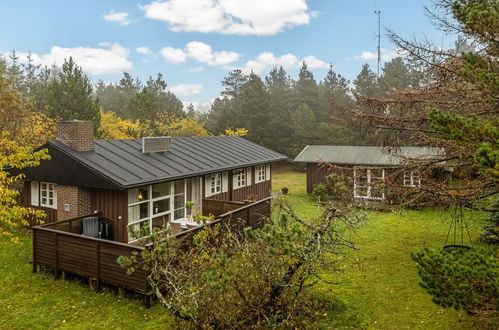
(156, 144)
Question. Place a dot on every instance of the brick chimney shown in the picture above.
(78, 134)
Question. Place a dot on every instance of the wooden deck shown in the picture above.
(62, 247)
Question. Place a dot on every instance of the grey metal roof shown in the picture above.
(123, 162)
(364, 155)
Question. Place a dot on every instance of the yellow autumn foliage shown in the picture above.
(113, 127)
(236, 131)
(174, 126)
(18, 117)
(13, 156)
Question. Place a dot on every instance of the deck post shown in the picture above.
(121, 292)
(248, 214)
(97, 272)
(34, 251)
(147, 300)
(56, 256)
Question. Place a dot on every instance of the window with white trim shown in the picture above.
(48, 195)
(239, 178)
(215, 183)
(412, 179)
(154, 206)
(368, 183)
(261, 173)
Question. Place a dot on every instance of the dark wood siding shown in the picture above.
(315, 175)
(113, 204)
(255, 191)
(25, 200)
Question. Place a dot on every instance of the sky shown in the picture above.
(195, 43)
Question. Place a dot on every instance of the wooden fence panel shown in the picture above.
(110, 271)
(77, 255)
(61, 246)
(218, 207)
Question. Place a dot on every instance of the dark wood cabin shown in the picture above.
(140, 184)
(368, 169)
(146, 182)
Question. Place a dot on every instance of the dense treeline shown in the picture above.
(127, 109)
(276, 110)
(286, 114)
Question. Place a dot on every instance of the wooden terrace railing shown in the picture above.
(62, 247)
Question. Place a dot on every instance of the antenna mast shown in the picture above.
(378, 12)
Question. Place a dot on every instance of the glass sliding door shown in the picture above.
(152, 207)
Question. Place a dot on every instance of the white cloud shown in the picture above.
(200, 52)
(120, 18)
(202, 107)
(143, 50)
(267, 60)
(242, 17)
(174, 55)
(147, 53)
(386, 55)
(186, 89)
(113, 58)
(196, 69)
(314, 63)
(203, 53)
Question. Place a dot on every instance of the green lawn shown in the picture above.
(379, 287)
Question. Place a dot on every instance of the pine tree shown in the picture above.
(220, 116)
(398, 75)
(306, 90)
(335, 95)
(70, 95)
(366, 82)
(304, 127)
(279, 87)
(233, 83)
(255, 110)
(15, 73)
(191, 112)
(30, 76)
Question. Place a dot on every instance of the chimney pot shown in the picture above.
(77, 134)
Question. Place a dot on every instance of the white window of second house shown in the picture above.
(215, 183)
(261, 173)
(368, 183)
(412, 179)
(48, 195)
(239, 178)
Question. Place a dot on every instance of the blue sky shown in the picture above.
(194, 43)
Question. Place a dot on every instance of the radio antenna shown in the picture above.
(378, 12)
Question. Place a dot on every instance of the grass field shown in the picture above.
(378, 289)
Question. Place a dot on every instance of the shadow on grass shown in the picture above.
(325, 311)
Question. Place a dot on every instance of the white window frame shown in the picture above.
(50, 187)
(35, 193)
(260, 173)
(369, 186)
(239, 178)
(150, 201)
(412, 179)
(215, 183)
